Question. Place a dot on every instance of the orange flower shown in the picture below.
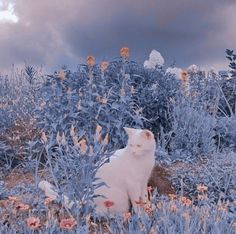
(33, 223)
(185, 201)
(124, 52)
(104, 65)
(184, 76)
(108, 204)
(61, 75)
(105, 141)
(68, 224)
(90, 60)
(82, 145)
(126, 216)
(202, 188)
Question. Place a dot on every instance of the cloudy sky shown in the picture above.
(56, 32)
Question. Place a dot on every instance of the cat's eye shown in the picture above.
(131, 145)
(139, 146)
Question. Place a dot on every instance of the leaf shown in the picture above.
(229, 52)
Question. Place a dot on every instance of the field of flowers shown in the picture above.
(63, 126)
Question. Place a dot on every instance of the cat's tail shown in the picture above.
(51, 192)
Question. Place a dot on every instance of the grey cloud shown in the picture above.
(60, 32)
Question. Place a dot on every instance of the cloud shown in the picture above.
(57, 32)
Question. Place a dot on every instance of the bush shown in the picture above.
(192, 132)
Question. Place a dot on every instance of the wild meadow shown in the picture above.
(63, 126)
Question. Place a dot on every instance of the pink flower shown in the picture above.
(33, 223)
(108, 204)
(68, 224)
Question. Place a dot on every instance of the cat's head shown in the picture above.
(140, 141)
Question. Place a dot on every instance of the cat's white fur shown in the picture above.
(126, 174)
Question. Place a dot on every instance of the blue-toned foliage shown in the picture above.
(195, 126)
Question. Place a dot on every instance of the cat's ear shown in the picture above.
(128, 131)
(147, 134)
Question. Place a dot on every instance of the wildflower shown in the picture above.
(82, 145)
(223, 207)
(68, 224)
(104, 101)
(202, 197)
(148, 209)
(44, 137)
(106, 140)
(124, 52)
(185, 201)
(72, 130)
(122, 92)
(14, 199)
(22, 207)
(126, 216)
(104, 65)
(63, 139)
(58, 138)
(202, 188)
(108, 204)
(173, 208)
(33, 223)
(155, 59)
(184, 76)
(61, 75)
(90, 60)
(48, 200)
(172, 196)
(98, 132)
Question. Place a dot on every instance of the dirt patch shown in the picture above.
(160, 179)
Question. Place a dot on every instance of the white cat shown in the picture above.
(126, 175)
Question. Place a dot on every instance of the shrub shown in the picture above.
(192, 132)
